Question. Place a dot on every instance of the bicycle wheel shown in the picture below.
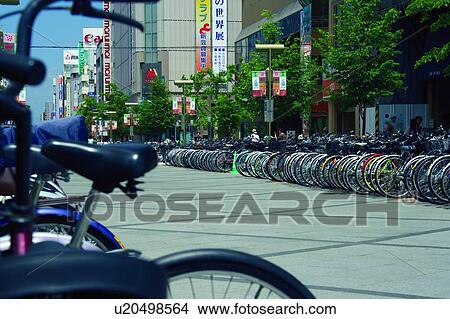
(389, 177)
(60, 225)
(218, 273)
(445, 182)
(435, 174)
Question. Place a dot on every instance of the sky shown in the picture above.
(54, 28)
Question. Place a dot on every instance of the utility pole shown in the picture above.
(130, 109)
(182, 83)
(110, 113)
(270, 108)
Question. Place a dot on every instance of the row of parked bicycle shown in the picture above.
(214, 161)
(422, 177)
(393, 166)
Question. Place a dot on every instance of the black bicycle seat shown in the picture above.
(106, 166)
(39, 164)
(53, 270)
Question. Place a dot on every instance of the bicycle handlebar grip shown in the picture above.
(21, 69)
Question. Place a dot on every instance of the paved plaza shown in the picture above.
(324, 242)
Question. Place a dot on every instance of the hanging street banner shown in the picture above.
(190, 106)
(203, 34)
(279, 83)
(127, 119)
(220, 35)
(259, 83)
(177, 105)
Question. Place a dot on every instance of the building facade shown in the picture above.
(168, 45)
(127, 54)
(426, 93)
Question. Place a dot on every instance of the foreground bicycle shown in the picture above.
(30, 268)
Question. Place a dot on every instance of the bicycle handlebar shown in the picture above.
(21, 69)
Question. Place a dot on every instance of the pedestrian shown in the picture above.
(254, 136)
(415, 125)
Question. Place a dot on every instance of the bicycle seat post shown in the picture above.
(86, 216)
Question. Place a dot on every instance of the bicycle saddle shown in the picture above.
(106, 166)
(53, 270)
(39, 164)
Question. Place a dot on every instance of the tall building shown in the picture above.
(170, 45)
(128, 49)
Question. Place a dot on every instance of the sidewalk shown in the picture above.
(411, 260)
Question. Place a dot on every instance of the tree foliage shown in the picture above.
(115, 101)
(271, 29)
(360, 56)
(155, 114)
(436, 12)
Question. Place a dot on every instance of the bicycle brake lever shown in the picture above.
(84, 8)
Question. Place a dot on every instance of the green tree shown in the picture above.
(360, 55)
(437, 14)
(155, 114)
(115, 101)
(304, 80)
(91, 110)
(271, 29)
(303, 77)
(251, 109)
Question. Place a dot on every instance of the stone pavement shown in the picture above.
(325, 248)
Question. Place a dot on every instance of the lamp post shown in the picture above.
(270, 48)
(130, 108)
(110, 113)
(182, 84)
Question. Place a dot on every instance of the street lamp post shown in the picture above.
(110, 113)
(270, 48)
(130, 108)
(182, 83)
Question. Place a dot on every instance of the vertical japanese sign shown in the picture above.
(279, 83)
(106, 51)
(220, 35)
(259, 83)
(203, 34)
(60, 96)
(83, 56)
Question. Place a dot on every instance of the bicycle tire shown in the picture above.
(222, 261)
(44, 222)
